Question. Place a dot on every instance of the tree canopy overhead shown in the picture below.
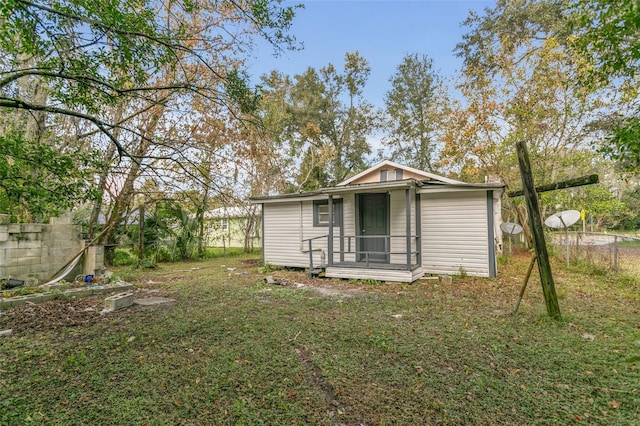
(95, 54)
(605, 34)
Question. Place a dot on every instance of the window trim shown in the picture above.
(337, 213)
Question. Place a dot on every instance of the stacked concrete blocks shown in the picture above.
(36, 250)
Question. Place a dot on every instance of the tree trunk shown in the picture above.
(102, 181)
(126, 195)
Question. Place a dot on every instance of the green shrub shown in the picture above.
(123, 257)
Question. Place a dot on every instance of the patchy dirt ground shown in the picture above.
(325, 287)
(86, 311)
(70, 312)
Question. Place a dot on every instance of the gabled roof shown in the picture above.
(390, 164)
(413, 178)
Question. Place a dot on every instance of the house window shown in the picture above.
(388, 175)
(225, 224)
(321, 213)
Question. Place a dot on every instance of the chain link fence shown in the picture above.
(616, 253)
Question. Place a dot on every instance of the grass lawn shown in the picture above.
(233, 350)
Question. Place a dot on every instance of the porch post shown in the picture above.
(342, 233)
(418, 229)
(330, 236)
(407, 196)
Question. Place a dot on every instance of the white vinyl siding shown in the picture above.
(286, 226)
(455, 233)
(349, 223)
(282, 234)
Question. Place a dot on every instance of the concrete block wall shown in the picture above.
(38, 250)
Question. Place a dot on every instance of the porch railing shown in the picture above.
(309, 242)
(352, 245)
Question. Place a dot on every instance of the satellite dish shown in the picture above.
(562, 219)
(511, 228)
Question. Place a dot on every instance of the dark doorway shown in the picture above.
(373, 219)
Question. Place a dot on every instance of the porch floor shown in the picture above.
(375, 271)
(374, 265)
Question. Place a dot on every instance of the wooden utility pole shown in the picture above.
(535, 222)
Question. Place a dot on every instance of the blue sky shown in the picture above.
(383, 31)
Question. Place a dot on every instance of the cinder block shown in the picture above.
(42, 297)
(11, 271)
(61, 220)
(118, 301)
(40, 269)
(99, 257)
(33, 252)
(52, 252)
(446, 279)
(18, 301)
(10, 244)
(28, 244)
(30, 227)
(28, 261)
(93, 260)
(107, 288)
(56, 286)
(14, 228)
(59, 244)
(78, 292)
(120, 286)
(4, 236)
(15, 253)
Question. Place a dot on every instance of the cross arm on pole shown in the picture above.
(569, 183)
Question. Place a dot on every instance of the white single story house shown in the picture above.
(388, 223)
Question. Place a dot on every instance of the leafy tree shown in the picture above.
(97, 53)
(632, 199)
(129, 69)
(325, 121)
(415, 109)
(183, 228)
(605, 35)
(37, 180)
(598, 201)
(516, 87)
(517, 83)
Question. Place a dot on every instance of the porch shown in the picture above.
(379, 272)
(380, 241)
(352, 261)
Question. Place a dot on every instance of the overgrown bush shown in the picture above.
(123, 257)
